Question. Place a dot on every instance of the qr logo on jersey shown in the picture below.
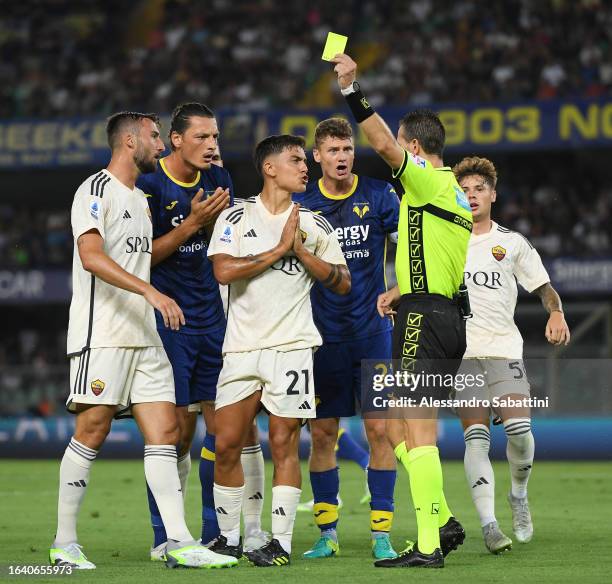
(417, 160)
(226, 236)
(94, 209)
(97, 387)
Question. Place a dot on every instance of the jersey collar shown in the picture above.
(338, 197)
(488, 233)
(176, 181)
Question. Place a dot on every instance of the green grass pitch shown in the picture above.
(569, 502)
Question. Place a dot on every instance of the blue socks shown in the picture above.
(210, 527)
(159, 531)
(325, 487)
(381, 484)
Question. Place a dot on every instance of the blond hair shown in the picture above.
(475, 165)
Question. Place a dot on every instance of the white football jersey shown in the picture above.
(495, 261)
(271, 310)
(102, 315)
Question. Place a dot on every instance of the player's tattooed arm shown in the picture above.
(336, 277)
(338, 280)
(550, 298)
(557, 331)
(228, 269)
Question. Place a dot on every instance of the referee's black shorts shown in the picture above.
(429, 337)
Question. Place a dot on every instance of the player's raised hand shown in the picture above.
(345, 68)
(204, 212)
(169, 309)
(287, 238)
(557, 332)
(386, 301)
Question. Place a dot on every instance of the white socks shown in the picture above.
(74, 477)
(479, 471)
(520, 451)
(184, 466)
(284, 506)
(228, 501)
(161, 472)
(252, 504)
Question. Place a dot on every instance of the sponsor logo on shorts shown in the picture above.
(499, 253)
(97, 386)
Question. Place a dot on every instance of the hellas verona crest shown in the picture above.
(360, 209)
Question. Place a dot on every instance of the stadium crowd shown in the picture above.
(553, 217)
(61, 63)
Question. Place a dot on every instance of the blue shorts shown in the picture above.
(196, 362)
(337, 373)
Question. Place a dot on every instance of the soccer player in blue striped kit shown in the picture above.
(364, 213)
(186, 194)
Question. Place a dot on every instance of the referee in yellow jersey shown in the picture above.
(429, 335)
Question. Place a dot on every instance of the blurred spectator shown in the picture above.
(98, 56)
(558, 218)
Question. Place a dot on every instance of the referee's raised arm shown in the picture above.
(375, 128)
(434, 228)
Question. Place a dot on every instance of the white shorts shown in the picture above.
(120, 376)
(501, 377)
(284, 378)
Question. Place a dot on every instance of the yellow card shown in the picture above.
(335, 43)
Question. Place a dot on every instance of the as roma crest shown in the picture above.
(499, 253)
(303, 235)
(97, 386)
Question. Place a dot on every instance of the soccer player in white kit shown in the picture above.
(497, 258)
(270, 251)
(117, 362)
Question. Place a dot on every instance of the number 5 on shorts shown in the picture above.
(295, 377)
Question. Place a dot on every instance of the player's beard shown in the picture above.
(143, 163)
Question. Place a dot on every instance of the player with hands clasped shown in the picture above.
(270, 251)
(498, 258)
(117, 361)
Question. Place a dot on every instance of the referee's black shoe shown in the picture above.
(219, 546)
(452, 535)
(413, 558)
(270, 555)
